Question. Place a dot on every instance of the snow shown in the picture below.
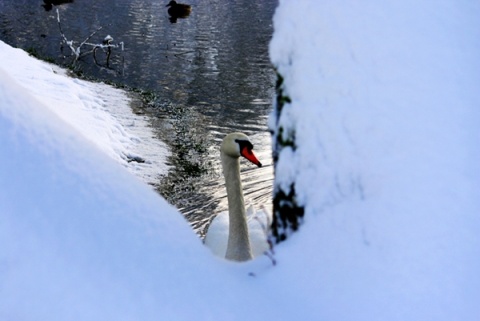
(99, 112)
(385, 110)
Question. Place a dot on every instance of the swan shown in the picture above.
(239, 234)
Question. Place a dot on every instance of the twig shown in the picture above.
(107, 43)
(91, 35)
(69, 43)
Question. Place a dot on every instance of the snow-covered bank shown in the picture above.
(385, 115)
(99, 112)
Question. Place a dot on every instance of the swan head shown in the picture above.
(238, 144)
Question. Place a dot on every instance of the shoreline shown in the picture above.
(102, 113)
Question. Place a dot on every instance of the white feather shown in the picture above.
(258, 225)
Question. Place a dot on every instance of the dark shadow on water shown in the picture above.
(48, 4)
(178, 10)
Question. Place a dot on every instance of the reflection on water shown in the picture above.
(209, 71)
(49, 4)
(178, 10)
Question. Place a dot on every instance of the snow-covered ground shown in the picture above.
(100, 113)
(385, 107)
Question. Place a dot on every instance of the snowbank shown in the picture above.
(385, 112)
(99, 112)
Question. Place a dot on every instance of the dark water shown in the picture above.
(208, 74)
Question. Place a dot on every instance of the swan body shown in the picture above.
(238, 234)
(258, 223)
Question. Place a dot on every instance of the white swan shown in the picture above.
(238, 234)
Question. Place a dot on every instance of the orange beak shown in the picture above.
(248, 154)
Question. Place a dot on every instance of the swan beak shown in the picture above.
(248, 154)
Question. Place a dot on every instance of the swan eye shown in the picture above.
(244, 144)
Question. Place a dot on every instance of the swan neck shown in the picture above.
(238, 247)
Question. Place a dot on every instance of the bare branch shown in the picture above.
(77, 51)
(91, 35)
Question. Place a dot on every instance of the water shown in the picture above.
(209, 75)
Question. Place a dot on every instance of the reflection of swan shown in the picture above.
(237, 235)
(178, 10)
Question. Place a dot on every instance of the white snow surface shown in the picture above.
(385, 110)
(99, 112)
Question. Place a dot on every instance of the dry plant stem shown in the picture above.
(77, 51)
